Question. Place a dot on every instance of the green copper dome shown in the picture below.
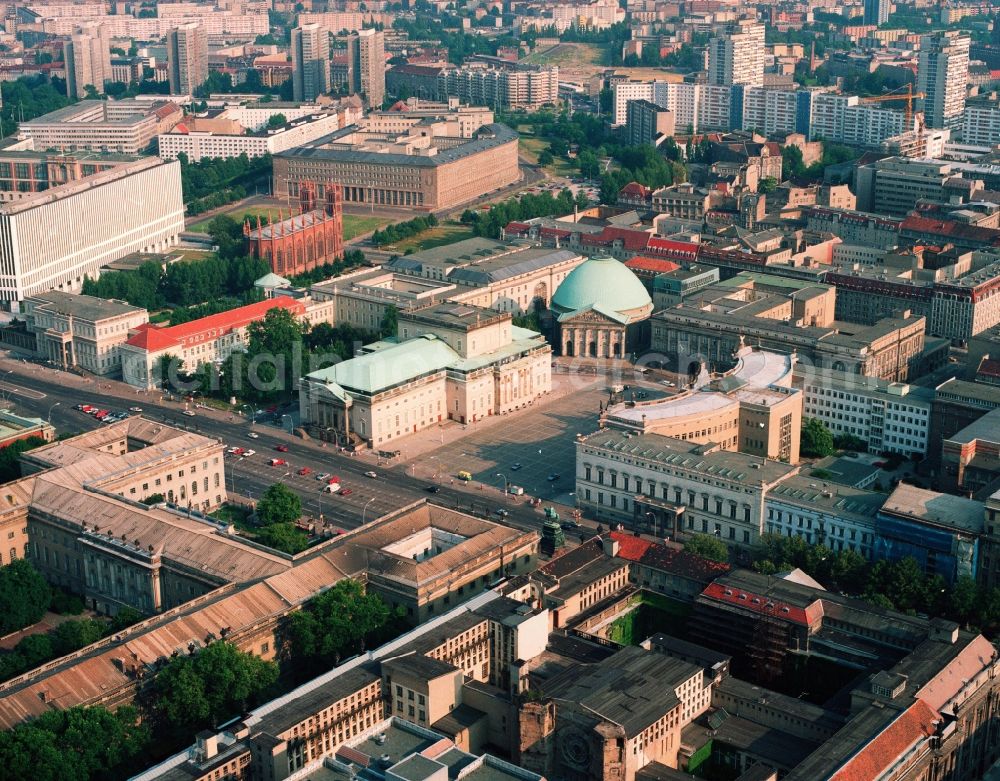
(603, 283)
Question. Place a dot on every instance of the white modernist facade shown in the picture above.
(890, 417)
(54, 239)
(206, 144)
(981, 126)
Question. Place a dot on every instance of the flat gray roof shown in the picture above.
(487, 137)
(82, 307)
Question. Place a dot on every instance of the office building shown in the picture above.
(784, 315)
(894, 185)
(970, 458)
(123, 127)
(88, 60)
(187, 58)
(751, 407)
(423, 168)
(647, 123)
(207, 138)
(310, 62)
(60, 236)
(448, 362)
(366, 63)
(943, 76)
(736, 55)
(877, 12)
(74, 331)
(891, 417)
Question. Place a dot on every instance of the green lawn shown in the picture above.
(357, 224)
(444, 233)
(239, 214)
(530, 147)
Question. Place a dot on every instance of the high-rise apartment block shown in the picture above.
(88, 60)
(310, 61)
(877, 11)
(187, 58)
(736, 55)
(366, 65)
(943, 76)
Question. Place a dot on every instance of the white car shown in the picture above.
(323, 476)
(189, 413)
(372, 475)
(248, 453)
(253, 435)
(135, 409)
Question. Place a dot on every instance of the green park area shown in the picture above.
(444, 233)
(358, 224)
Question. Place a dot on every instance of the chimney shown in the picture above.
(610, 545)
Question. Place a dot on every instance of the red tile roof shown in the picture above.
(761, 603)
(632, 240)
(912, 726)
(654, 265)
(678, 250)
(950, 228)
(951, 682)
(212, 327)
(636, 189)
(517, 227)
(672, 560)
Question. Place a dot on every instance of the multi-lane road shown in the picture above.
(49, 393)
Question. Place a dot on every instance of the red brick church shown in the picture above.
(300, 243)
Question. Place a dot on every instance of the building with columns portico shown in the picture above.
(602, 309)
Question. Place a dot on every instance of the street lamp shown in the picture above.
(365, 510)
(505, 483)
(49, 416)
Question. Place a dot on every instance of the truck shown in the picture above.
(332, 485)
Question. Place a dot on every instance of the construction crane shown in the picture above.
(908, 96)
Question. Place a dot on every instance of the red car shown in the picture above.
(281, 448)
(332, 480)
(102, 414)
(345, 492)
(305, 471)
(278, 462)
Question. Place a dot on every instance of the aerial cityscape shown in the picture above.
(500, 390)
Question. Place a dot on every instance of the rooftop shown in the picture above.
(487, 137)
(89, 308)
(750, 470)
(908, 501)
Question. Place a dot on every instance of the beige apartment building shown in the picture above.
(81, 331)
(448, 362)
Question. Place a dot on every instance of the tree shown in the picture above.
(284, 537)
(75, 745)
(708, 547)
(279, 504)
(24, 596)
(276, 121)
(791, 162)
(10, 457)
(211, 685)
(817, 441)
(545, 158)
(336, 623)
(70, 636)
(390, 321)
(767, 185)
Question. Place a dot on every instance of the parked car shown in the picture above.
(136, 410)
(345, 491)
(501, 513)
(305, 471)
(552, 477)
(514, 467)
(278, 462)
(322, 476)
(247, 453)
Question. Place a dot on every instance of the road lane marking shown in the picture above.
(26, 392)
